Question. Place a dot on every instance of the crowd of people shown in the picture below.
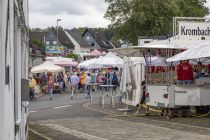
(79, 80)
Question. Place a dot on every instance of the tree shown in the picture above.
(133, 18)
(38, 43)
(74, 56)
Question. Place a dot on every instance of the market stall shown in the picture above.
(86, 64)
(47, 67)
(106, 62)
(65, 62)
(193, 53)
(110, 60)
(132, 76)
(95, 52)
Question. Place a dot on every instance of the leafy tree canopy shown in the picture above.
(74, 56)
(133, 18)
(38, 43)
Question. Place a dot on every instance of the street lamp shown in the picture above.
(95, 40)
(57, 31)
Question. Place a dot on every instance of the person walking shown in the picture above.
(32, 84)
(61, 83)
(50, 86)
(115, 80)
(74, 84)
(83, 79)
(100, 78)
(143, 97)
(68, 84)
(88, 82)
(93, 79)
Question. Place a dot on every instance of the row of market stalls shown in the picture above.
(166, 55)
(60, 66)
(162, 54)
(57, 64)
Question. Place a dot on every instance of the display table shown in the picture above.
(102, 99)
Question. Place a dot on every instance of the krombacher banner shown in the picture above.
(194, 30)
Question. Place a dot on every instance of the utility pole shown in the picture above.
(57, 33)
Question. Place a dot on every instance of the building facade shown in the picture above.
(14, 69)
(80, 45)
(97, 40)
(57, 44)
(36, 56)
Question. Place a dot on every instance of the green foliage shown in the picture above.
(107, 32)
(74, 56)
(38, 43)
(35, 29)
(81, 29)
(133, 18)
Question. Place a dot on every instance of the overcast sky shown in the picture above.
(74, 13)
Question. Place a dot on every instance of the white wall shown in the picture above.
(3, 13)
(14, 58)
(77, 47)
(85, 50)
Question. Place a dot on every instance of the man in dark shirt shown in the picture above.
(143, 87)
(142, 101)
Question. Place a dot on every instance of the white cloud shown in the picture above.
(208, 5)
(74, 13)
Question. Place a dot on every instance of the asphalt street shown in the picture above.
(66, 119)
(60, 107)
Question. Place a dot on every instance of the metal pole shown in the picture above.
(95, 40)
(57, 34)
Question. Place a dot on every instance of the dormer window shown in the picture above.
(88, 38)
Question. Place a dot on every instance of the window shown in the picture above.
(47, 42)
(54, 42)
(92, 44)
(88, 38)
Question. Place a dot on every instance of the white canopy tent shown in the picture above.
(193, 53)
(49, 58)
(65, 62)
(163, 44)
(86, 64)
(109, 60)
(139, 72)
(112, 55)
(177, 43)
(47, 67)
(106, 62)
(153, 61)
(132, 76)
(137, 60)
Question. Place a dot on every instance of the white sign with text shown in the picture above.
(194, 30)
